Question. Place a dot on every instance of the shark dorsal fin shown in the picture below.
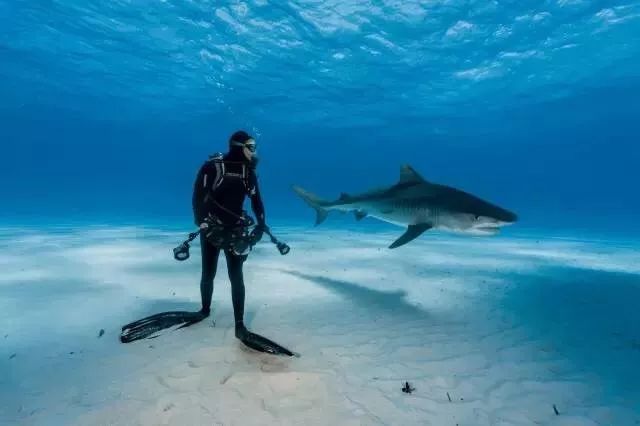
(344, 196)
(409, 175)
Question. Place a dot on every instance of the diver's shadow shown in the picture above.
(392, 302)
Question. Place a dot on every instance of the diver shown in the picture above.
(222, 184)
(220, 189)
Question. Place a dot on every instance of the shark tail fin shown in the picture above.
(313, 201)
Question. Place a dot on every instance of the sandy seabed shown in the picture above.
(507, 330)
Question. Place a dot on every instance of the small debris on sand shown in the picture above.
(407, 388)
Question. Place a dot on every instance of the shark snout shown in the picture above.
(507, 217)
(491, 223)
(499, 216)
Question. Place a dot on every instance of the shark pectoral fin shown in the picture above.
(413, 232)
(360, 214)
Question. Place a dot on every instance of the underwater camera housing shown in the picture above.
(236, 238)
(239, 239)
(181, 253)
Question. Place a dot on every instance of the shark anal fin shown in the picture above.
(413, 232)
(360, 214)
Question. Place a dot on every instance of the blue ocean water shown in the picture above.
(107, 108)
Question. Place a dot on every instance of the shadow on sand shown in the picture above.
(590, 317)
(393, 302)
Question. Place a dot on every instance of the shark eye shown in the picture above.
(477, 217)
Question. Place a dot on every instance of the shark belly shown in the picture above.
(401, 215)
(417, 205)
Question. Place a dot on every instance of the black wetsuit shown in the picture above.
(220, 189)
(224, 199)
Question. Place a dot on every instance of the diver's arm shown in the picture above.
(256, 201)
(206, 175)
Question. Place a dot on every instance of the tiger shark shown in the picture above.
(419, 205)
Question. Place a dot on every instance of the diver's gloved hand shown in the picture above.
(258, 232)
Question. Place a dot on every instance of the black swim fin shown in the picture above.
(262, 344)
(151, 327)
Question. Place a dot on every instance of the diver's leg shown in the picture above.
(252, 340)
(234, 267)
(210, 255)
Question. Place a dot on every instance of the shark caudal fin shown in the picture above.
(315, 202)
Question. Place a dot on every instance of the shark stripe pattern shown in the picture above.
(419, 205)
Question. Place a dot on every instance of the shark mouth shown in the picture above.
(484, 230)
(487, 229)
(490, 228)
